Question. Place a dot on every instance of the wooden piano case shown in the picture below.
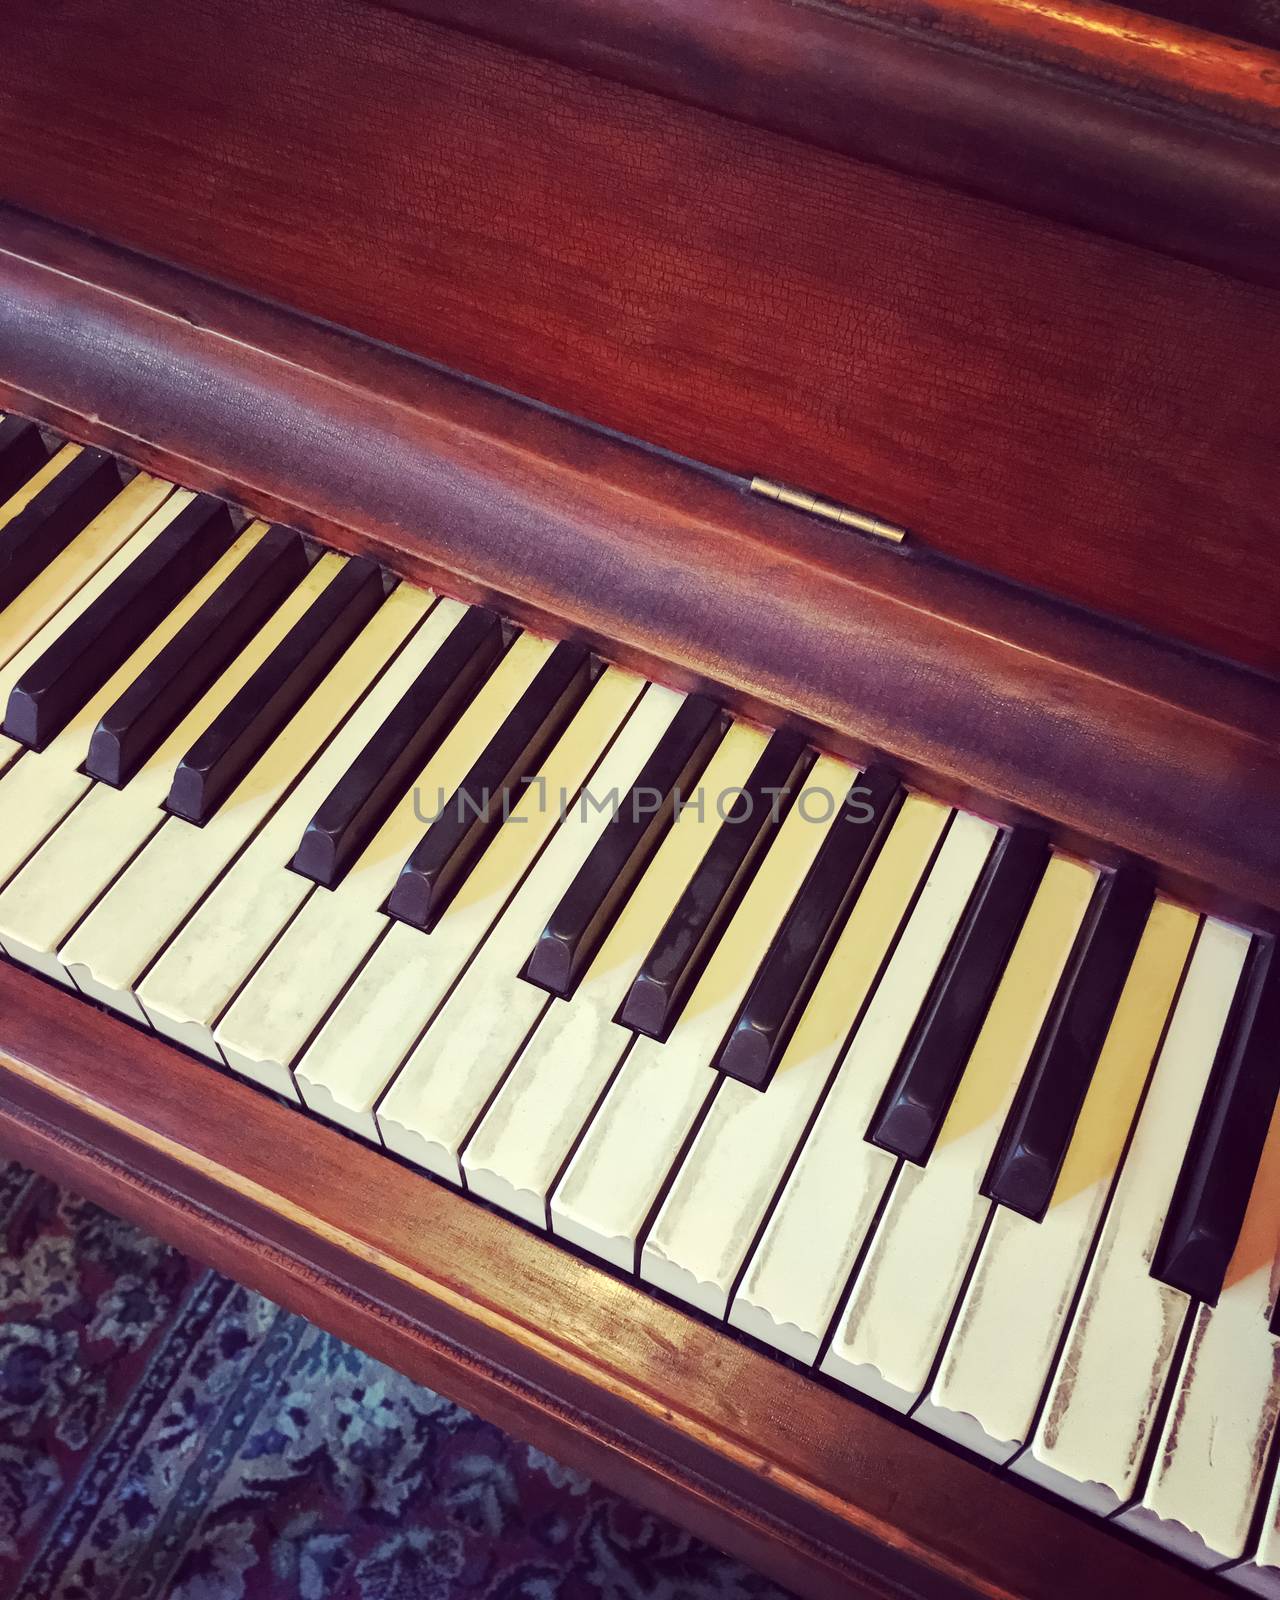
(1007, 277)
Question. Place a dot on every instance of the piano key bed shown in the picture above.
(964, 1124)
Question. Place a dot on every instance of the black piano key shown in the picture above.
(755, 1043)
(920, 1091)
(100, 640)
(662, 985)
(48, 523)
(255, 714)
(1038, 1129)
(22, 454)
(1218, 1170)
(380, 775)
(588, 907)
(161, 695)
(459, 834)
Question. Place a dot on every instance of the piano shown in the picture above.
(641, 736)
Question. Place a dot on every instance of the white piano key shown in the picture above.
(138, 914)
(433, 1104)
(1092, 1437)
(523, 1139)
(715, 1207)
(799, 1269)
(1210, 1464)
(913, 1270)
(50, 591)
(383, 1013)
(94, 563)
(275, 1014)
(614, 1176)
(199, 972)
(1015, 1306)
(22, 497)
(67, 874)
(52, 602)
(38, 789)
(1259, 1571)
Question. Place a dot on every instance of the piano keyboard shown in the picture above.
(969, 1126)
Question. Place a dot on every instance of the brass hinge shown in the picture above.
(828, 510)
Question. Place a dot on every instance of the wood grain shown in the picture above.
(1094, 114)
(816, 1489)
(1079, 414)
(984, 693)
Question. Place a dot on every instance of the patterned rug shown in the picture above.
(165, 1432)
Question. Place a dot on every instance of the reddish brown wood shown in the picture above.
(984, 693)
(817, 1489)
(1094, 114)
(1081, 415)
(1147, 49)
(1144, 49)
(1253, 21)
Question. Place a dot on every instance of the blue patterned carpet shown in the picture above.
(164, 1432)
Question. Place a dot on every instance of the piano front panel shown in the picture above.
(674, 572)
(1000, 382)
(944, 1114)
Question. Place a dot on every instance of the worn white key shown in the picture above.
(199, 972)
(1015, 1306)
(1259, 1572)
(51, 590)
(381, 1016)
(799, 1269)
(715, 1207)
(521, 1143)
(1093, 1433)
(138, 914)
(907, 1283)
(433, 1104)
(39, 789)
(98, 839)
(1210, 1464)
(614, 1177)
(274, 1016)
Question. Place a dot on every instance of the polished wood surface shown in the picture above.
(983, 693)
(815, 1488)
(1254, 21)
(1090, 113)
(1078, 413)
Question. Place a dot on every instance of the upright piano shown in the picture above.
(641, 735)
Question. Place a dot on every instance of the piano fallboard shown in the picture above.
(982, 691)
